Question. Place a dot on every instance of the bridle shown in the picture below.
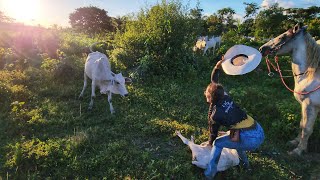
(277, 68)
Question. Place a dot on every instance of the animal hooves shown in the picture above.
(296, 152)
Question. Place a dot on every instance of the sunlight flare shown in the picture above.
(25, 11)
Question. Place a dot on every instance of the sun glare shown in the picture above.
(26, 11)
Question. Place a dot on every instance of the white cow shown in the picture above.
(98, 69)
(218, 40)
(201, 154)
(210, 43)
(200, 43)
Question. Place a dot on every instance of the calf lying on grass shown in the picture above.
(201, 154)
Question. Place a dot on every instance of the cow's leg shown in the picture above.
(85, 81)
(110, 102)
(213, 49)
(93, 93)
(205, 50)
(309, 115)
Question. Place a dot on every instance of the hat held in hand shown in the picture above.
(241, 59)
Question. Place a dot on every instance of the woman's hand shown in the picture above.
(219, 63)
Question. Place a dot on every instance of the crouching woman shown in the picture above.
(245, 133)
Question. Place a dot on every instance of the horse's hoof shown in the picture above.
(296, 152)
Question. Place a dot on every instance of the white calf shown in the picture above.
(201, 154)
(210, 43)
(200, 44)
(98, 69)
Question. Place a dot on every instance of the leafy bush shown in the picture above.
(48, 42)
(38, 157)
(158, 40)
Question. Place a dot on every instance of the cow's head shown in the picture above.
(118, 84)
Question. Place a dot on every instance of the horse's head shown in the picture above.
(285, 42)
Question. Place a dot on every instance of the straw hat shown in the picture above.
(241, 59)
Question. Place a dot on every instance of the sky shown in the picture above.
(49, 12)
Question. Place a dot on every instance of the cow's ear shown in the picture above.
(128, 80)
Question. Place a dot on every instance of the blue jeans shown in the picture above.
(250, 139)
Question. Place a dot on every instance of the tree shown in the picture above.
(270, 22)
(303, 15)
(251, 9)
(246, 28)
(4, 18)
(157, 41)
(214, 25)
(226, 17)
(314, 28)
(91, 20)
(196, 13)
(195, 16)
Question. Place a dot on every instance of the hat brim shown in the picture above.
(253, 60)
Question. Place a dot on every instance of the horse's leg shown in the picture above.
(296, 140)
(309, 115)
(205, 50)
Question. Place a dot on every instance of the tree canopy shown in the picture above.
(4, 18)
(91, 20)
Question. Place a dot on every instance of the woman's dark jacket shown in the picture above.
(224, 112)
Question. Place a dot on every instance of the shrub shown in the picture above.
(158, 41)
(38, 155)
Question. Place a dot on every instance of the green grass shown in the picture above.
(53, 135)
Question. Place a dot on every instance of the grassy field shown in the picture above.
(49, 134)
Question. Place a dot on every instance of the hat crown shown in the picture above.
(241, 59)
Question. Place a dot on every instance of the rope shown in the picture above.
(268, 62)
(284, 83)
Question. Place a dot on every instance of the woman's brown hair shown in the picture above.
(215, 92)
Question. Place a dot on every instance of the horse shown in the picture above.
(305, 53)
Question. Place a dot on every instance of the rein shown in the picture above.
(277, 68)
